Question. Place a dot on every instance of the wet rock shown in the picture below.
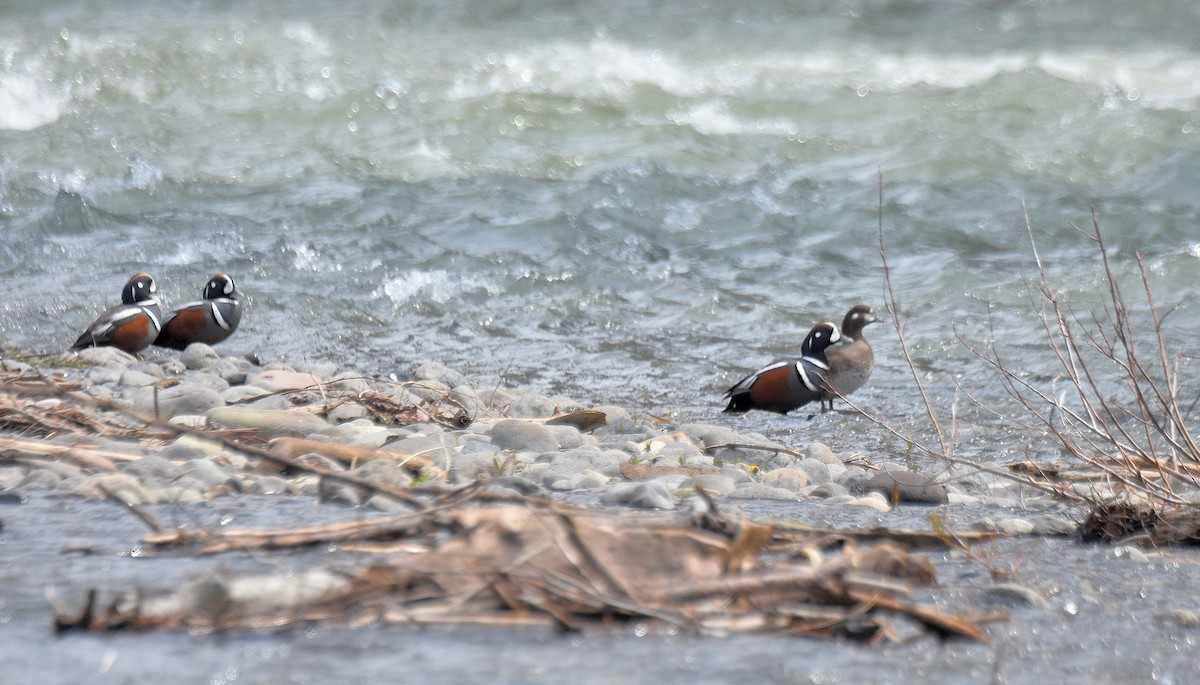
(135, 378)
(269, 485)
(523, 436)
(208, 380)
(530, 407)
(736, 473)
(279, 380)
(438, 447)
(14, 366)
(385, 472)
(815, 470)
(871, 500)
(1015, 594)
(1181, 618)
(1128, 552)
(198, 356)
(106, 357)
(711, 483)
(649, 495)
(827, 490)
(515, 485)
(567, 437)
(789, 479)
(241, 393)
(347, 413)
(470, 466)
(1053, 524)
(439, 373)
(762, 491)
(350, 382)
(1014, 526)
(206, 472)
(318, 369)
(273, 423)
(822, 453)
(428, 391)
(906, 486)
(104, 375)
(40, 479)
(185, 398)
(154, 467)
(586, 459)
(471, 403)
(588, 480)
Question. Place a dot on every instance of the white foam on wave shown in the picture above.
(437, 285)
(610, 69)
(1156, 78)
(27, 102)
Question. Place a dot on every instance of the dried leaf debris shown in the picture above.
(520, 561)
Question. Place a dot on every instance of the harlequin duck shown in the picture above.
(852, 359)
(130, 326)
(787, 384)
(209, 321)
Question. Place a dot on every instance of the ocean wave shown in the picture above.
(438, 286)
(28, 102)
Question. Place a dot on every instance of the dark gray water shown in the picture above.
(635, 203)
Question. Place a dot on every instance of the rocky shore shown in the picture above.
(436, 429)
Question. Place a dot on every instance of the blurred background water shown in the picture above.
(627, 202)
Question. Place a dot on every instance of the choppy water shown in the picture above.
(630, 202)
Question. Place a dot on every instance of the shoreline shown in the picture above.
(436, 428)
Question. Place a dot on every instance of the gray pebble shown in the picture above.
(530, 407)
(761, 491)
(476, 446)
(712, 483)
(272, 423)
(906, 486)
(815, 470)
(104, 375)
(1015, 594)
(154, 467)
(135, 378)
(649, 495)
(585, 459)
(348, 412)
(40, 479)
(827, 490)
(568, 437)
(101, 357)
(386, 472)
(514, 484)
(465, 396)
(737, 475)
(350, 382)
(523, 436)
(206, 471)
(185, 398)
(790, 479)
(199, 356)
(822, 453)
(439, 373)
(429, 391)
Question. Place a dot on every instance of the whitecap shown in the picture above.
(437, 286)
(27, 103)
